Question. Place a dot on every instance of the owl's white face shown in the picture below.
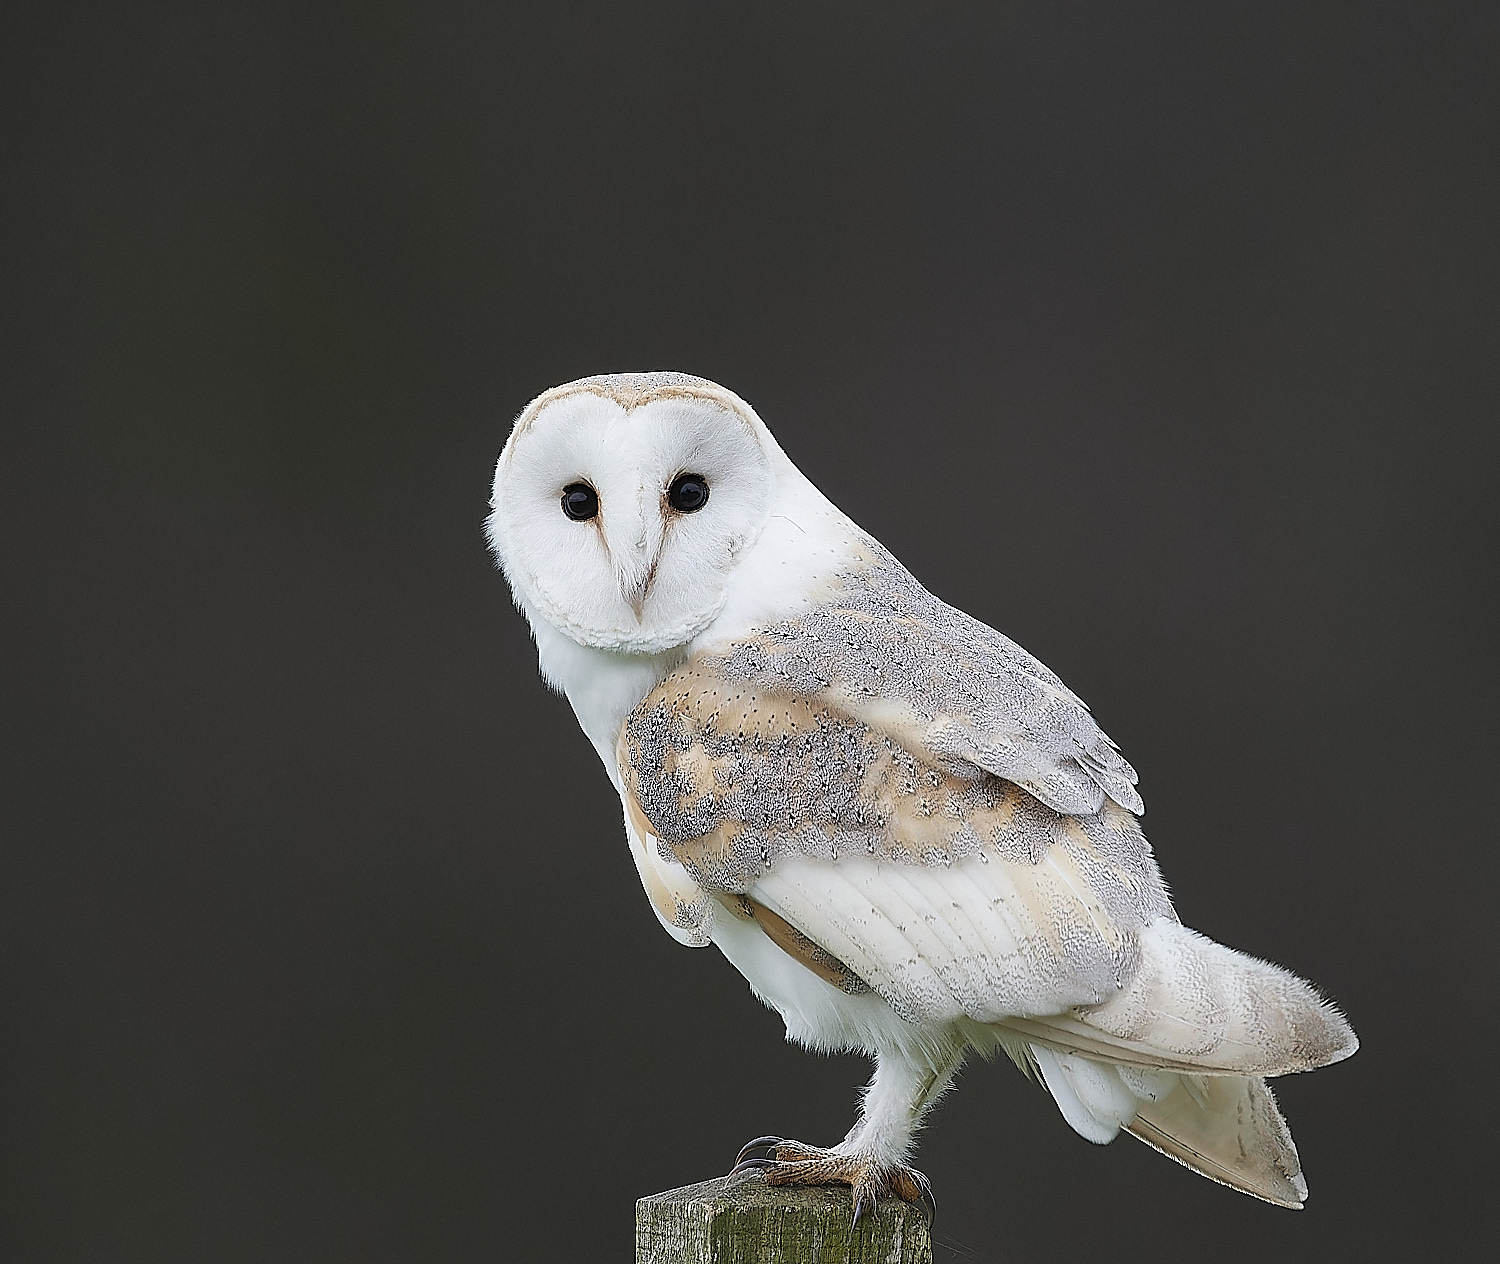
(620, 528)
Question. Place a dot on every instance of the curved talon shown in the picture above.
(929, 1201)
(753, 1149)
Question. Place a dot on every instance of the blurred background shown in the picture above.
(1161, 337)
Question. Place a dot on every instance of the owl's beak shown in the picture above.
(636, 558)
(635, 586)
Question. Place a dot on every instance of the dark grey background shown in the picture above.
(1161, 337)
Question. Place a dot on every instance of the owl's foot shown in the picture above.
(785, 1162)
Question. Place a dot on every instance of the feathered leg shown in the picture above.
(871, 1160)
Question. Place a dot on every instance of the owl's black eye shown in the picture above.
(580, 502)
(688, 493)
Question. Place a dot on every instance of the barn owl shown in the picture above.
(904, 831)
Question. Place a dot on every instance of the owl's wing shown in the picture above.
(952, 893)
(885, 650)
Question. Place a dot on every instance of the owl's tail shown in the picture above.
(1225, 1126)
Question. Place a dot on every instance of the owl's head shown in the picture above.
(622, 504)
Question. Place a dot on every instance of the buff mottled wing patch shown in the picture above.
(732, 777)
(978, 900)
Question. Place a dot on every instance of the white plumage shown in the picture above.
(902, 829)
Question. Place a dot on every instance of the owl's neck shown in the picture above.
(603, 686)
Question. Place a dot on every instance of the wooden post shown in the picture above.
(750, 1222)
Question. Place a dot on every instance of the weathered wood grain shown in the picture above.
(750, 1222)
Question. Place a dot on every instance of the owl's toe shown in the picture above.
(912, 1186)
(765, 1154)
(784, 1162)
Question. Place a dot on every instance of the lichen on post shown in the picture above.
(746, 1221)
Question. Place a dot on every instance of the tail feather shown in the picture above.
(1197, 1001)
(1238, 1138)
(1194, 1005)
(1226, 1127)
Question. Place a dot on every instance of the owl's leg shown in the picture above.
(871, 1160)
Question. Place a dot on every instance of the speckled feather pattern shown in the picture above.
(980, 700)
(732, 780)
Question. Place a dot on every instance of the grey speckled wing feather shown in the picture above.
(883, 647)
